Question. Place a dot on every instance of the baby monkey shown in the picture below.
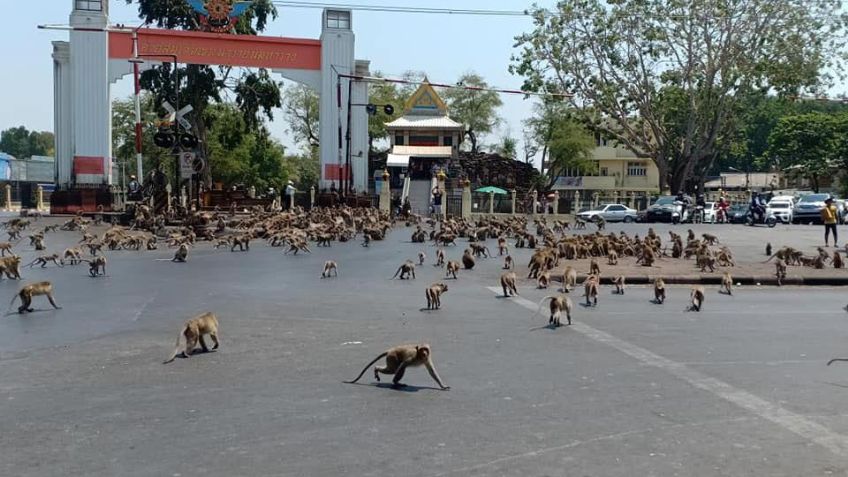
(193, 331)
(330, 266)
(421, 257)
(401, 357)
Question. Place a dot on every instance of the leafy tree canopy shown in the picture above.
(23, 143)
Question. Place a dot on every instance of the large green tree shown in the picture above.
(807, 144)
(300, 110)
(474, 107)
(123, 136)
(255, 92)
(664, 77)
(23, 143)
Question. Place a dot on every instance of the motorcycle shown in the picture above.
(760, 218)
(677, 217)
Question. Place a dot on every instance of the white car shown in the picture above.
(610, 213)
(710, 212)
(782, 210)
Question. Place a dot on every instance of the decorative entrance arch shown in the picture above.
(98, 55)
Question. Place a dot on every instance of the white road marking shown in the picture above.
(800, 425)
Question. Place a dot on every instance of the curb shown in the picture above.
(716, 280)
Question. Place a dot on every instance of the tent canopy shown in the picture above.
(488, 189)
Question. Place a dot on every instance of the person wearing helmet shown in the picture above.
(829, 215)
(134, 188)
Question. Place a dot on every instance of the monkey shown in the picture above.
(619, 285)
(94, 247)
(780, 271)
(405, 269)
(768, 249)
(544, 279)
(697, 298)
(401, 357)
(440, 258)
(659, 291)
(242, 241)
(39, 244)
(296, 246)
(508, 284)
(223, 242)
(324, 240)
(330, 266)
(43, 259)
(6, 247)
(193, 331)
(33, 289)
(612, 258)
(558, 304)
(601, 223)
(509, 263)
(97, 266)
(480, 250)
(503, 248)
(591, 290)
(14, 234)
(691, 235)
(421, 257)
(647, 258)
(837, 260)
(11, 266)
(433, 294)
(594, 269)
(726, 283)
(181, 255)
(366, 239)
(710, 239)
(468, 260)
(453, 267)
(569, 278)
(72, 255)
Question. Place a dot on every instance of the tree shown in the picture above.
(663, 77)
(300, 108)
(382, 93)
(23, 144)
(570, 147)
(508, 147)
(200, 85)
(807, 144)
(475, 108)
(123, 136)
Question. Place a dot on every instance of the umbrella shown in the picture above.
(489, 189)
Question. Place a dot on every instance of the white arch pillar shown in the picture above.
(62, 129)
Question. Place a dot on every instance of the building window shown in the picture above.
(423, 140)
(399, 140)
(89, 5)
(338, 19)
(636, 169)
(604, 172)
(447, 141)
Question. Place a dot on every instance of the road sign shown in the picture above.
(179, 114)
(198, 165)
(187, 164)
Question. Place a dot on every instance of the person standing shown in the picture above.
(437, 201)
(829, 215)
(289, 192)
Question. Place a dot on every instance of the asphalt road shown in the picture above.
(633, 388)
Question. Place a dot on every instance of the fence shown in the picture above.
(454, 206)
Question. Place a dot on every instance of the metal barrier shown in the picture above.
(454, 206)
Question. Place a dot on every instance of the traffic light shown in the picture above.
(188, 141)
(164, 139)
(389, 109)
(371, 109)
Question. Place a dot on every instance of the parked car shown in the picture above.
(661, 210)
(808, 209)
(610, 213)
(710, 212)
(737, 214)
(782, 210)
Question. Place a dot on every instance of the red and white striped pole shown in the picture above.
(138, 129)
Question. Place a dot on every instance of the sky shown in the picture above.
(443, 46)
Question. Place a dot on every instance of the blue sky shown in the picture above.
(444, 46)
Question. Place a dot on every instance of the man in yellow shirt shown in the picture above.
(829, 216)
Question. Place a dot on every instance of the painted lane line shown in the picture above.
(810, 430)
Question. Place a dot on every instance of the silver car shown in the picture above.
(610, 213)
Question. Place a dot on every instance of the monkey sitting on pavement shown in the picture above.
(193, 331)
(421, 257)
(33, 289)
(696, 298)
(508, 284)
(509, 263)
(181, 255)
(659, 291)
(330, 266)
(544, 279)
(405, 269)
(468, 260)
(401, 357)
(434, 294)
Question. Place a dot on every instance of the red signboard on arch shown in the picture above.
(201, 48)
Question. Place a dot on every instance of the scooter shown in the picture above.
(752, 219)
(676, 217)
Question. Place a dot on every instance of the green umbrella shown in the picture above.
(488, 189)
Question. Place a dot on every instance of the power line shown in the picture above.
(399, 9)
(380, 79)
